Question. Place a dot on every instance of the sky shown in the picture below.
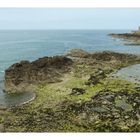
(69, 18)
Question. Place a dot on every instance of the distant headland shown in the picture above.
(133, 37)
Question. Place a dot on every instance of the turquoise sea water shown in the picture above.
(30, 45)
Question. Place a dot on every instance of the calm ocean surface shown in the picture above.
(30, 45)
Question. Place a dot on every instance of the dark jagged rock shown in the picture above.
(101, 56)
(109, 56)
(77, 91)
(104, 56)
(48, 69)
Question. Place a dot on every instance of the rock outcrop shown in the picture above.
(100, 56)
(48, 69)
(78, 53)
(132, 38)
(51, 69)
(111, 56)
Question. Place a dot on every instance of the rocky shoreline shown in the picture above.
(20, 76)
(74, 93)
(130, 38)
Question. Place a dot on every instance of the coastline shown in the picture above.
(130, 38)
(85, 90)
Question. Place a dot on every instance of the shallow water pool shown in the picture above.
(131, 73)
(9, 100)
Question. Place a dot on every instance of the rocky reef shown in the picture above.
(48, 69)
(75, 93)
(101, 56)
(20, 76)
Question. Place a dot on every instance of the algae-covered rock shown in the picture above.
(123, 105)
(96, 77)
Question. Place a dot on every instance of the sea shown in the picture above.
(17, 45)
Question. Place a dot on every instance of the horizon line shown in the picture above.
(72, 29)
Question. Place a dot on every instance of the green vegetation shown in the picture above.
(63, 111)
(1, 120)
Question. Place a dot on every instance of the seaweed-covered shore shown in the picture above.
(85, 97)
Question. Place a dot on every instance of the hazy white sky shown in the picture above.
(69, 18)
